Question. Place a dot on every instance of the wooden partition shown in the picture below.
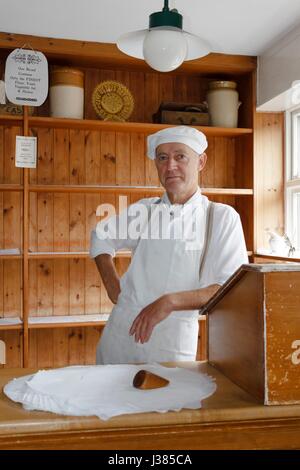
(254, 331)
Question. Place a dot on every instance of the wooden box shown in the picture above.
(188, 118)
(191, 114)
(254, 331)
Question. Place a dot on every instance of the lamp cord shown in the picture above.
(166, 6)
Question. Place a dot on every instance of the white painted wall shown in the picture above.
(278, 73)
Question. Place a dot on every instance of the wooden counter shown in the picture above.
(229, 419)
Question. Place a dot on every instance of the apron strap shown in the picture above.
(207, 236)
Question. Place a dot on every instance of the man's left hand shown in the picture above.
(146, 320)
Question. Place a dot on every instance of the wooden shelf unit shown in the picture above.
(85, 162)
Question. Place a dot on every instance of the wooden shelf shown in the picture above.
(6, 254)
(66, 254)
(11, 119)
(68, 321)
(154, 190)
(58, 188)
(13, 323)
(277, 257)
(86, 124)
(11, 187)
(227, 191)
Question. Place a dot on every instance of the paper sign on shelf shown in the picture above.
(26, 152)
(26, 77)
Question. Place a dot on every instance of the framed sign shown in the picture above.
(26, 148)
(26, 77)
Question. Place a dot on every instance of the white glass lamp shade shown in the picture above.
(164, 50)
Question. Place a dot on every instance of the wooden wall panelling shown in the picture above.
(108, 158)
(12, 218)
(12, 278)
(166, 87)
(219, 171)
(268, 153)
(77, 282)
(63, 346)
(246, 90)
(244, 206)
(45, 348)
(45, 218)
(151, 176)
(231, 158)
(12, 174)
(44, 173)
(63, 223)
(123, 160)
(123, 76)
(33, 288)
(137, 174)
(152, 98)
(77, 156)
(92, 335)
(61, 290)
(181, 88)
(244, 162)
(137, 88)
(45, 286)
(92, 157)
(76, 346)
(220, 162)
(92, 288)
(61, 156)
(60, 347)
(77, 221)
(207, 175)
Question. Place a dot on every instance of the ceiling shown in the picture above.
(233, 27)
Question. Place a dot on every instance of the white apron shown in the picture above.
(157, 267)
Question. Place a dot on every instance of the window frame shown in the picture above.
(292, 175)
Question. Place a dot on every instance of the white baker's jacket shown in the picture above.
(161, 266)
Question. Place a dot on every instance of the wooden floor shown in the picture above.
(229, 419)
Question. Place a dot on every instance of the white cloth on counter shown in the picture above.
(106, 391)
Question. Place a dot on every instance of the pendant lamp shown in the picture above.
(164, 45)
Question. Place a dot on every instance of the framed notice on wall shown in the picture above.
(26, 148)
(26, 77)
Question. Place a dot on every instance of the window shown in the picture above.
(292, 181)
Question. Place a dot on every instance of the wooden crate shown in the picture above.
(188, 118)
(254, 332)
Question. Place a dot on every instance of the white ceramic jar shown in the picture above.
(223, 103)
(67, 93)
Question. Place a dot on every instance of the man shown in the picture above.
(185, 249)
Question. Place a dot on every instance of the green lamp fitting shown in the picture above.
(166, 17)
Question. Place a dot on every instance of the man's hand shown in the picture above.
(146, 320)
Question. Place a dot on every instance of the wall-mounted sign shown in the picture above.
(26, 151)
(26, 77)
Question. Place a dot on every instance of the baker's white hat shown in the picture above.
(183, 134)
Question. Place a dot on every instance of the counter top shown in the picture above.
(229, 419)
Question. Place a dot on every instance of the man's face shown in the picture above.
(178, 166)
